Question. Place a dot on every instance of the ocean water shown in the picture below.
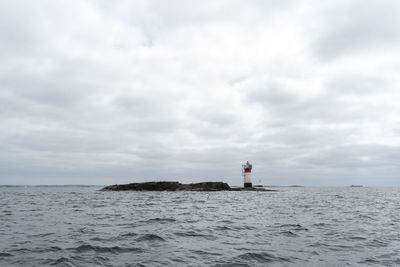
(79, 226)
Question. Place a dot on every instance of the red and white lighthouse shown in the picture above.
(246, 171)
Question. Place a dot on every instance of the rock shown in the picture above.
(169, 186)
(206, 186)
(176, 186)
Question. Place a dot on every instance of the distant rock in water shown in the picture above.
(169, 186)
(176, 186)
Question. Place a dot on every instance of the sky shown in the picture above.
(106, 92)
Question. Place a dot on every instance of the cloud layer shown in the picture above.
(99, 92)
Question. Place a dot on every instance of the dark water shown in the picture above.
(294, 227)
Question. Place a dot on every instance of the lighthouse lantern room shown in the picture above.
(246, 171)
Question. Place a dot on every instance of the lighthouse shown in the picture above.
(246, 171)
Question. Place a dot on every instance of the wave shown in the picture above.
(294, 227)
(262, 257)
(7, 212)
(41, 235)
(289, 234)
(377, 243)
(195, 234)
(63, 261)
(159, 220)
(236, 264)
(135, 265)
(357, 238)
(228, 229)
(113, 250)
(36, 250)
(370, 261)
(103, 239)
(129, 234)
(223, 228)
(101, 260)
(204, 253)
(150, 237)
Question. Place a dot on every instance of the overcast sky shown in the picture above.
(105, 92)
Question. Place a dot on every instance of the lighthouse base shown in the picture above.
(248, 185)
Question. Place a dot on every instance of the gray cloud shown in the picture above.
(360, 26)
(98, 93)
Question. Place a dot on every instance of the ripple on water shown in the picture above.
(294, 227)
(377, 243)
(36, 250)
(150, 237)
(135, 265)
(223, 228)
(105, 239)
(262, 257)
(129, 234)
(100, 249)
(289, 234)
(159, 220)
(7, 212)
(40, 235)
(63, 261)
(302, 227)
(205, 253)
(195, 234)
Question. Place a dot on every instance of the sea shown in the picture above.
(294, 226)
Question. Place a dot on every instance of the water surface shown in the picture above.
(79, 226)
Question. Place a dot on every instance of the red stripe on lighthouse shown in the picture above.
(247, 169)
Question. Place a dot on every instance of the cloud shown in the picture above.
(97, 92)
(357, 27)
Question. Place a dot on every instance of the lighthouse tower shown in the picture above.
(246, 171)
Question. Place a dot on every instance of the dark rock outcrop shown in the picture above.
(169, 186)
(206, 186)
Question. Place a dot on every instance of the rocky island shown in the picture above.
(176, 186)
